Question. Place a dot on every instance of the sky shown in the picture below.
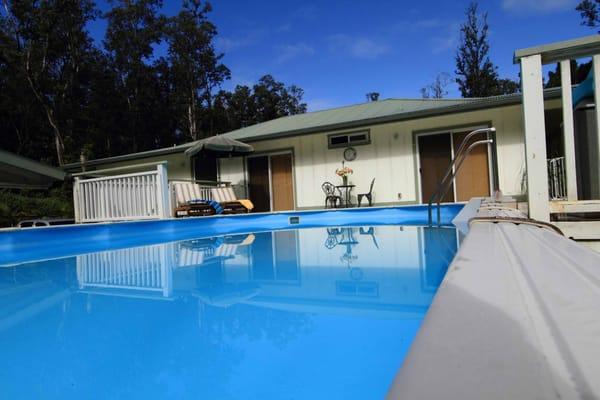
(339, 50)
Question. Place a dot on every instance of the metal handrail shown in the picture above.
(456, 163)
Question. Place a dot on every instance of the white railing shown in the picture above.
(134, 196)
(146, 268)
(557, 179)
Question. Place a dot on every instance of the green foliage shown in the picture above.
(267, 100)
(477, 76)
(590, 15)
(578, 74)
(63, 95)
(16, 206)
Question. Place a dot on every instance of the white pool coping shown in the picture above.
(516, 317)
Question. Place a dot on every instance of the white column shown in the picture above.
(162, 195)
(77, 200)
(535, 137)
(568, 129)
(595, 153)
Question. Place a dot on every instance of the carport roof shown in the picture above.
(23, 173)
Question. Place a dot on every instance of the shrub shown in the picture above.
(26, 204)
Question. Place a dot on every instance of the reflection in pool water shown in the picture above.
(311, 313)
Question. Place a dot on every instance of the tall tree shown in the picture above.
(47, 45)
(134, 27)
(272, 99)
(476, 75)
(266, 100)
(196, 67)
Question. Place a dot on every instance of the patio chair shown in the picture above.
(369, 195)
(189, 201)
(331, 198)
(230, 203)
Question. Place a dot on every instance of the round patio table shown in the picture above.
(348, 189)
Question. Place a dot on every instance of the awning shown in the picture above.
(18, 172)
(221, 145)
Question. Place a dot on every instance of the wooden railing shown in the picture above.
(134, 196)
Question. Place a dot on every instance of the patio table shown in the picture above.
(348, 190)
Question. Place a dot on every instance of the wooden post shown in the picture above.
(535, 137)
(568, 129)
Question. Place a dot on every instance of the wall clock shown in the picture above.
(350, 154)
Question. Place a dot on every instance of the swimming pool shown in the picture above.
(318, 312)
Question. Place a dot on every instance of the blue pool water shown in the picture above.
(291, 314)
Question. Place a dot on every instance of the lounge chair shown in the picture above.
(226, 197)
(189, 200)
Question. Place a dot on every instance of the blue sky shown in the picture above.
(339, 50)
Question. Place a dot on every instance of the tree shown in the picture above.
(197, 68)
(476, 75)
(272, 99)
(590, 13)
(46, 44)
(266, 100)
(437, 89)
(134, 27)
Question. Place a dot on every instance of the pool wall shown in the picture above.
(516, 317)
(30, 244)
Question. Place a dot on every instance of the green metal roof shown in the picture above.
(326, 119)
(21, 173)
(376, 112)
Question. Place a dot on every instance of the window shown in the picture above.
(349, 139)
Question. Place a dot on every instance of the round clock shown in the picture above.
(350, 154)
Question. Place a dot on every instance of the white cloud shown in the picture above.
(244, 39)
(291, 51)
(358, 47)
(525, 6)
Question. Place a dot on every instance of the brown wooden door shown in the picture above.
(473, 178)
(434, 157)
(281, 182)
(258, 183)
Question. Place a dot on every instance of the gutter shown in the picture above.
(517, 316)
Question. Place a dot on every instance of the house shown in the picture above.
(406, 144)
(545, 151)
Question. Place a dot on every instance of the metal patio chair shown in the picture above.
(369, 195)
(331, 198)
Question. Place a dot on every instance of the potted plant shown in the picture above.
(344, 172)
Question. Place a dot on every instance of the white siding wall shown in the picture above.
(390, 157)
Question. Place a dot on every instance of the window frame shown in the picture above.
(348, 142)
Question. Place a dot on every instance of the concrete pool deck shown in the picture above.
(517, 316)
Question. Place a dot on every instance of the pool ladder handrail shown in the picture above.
(452, 170)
